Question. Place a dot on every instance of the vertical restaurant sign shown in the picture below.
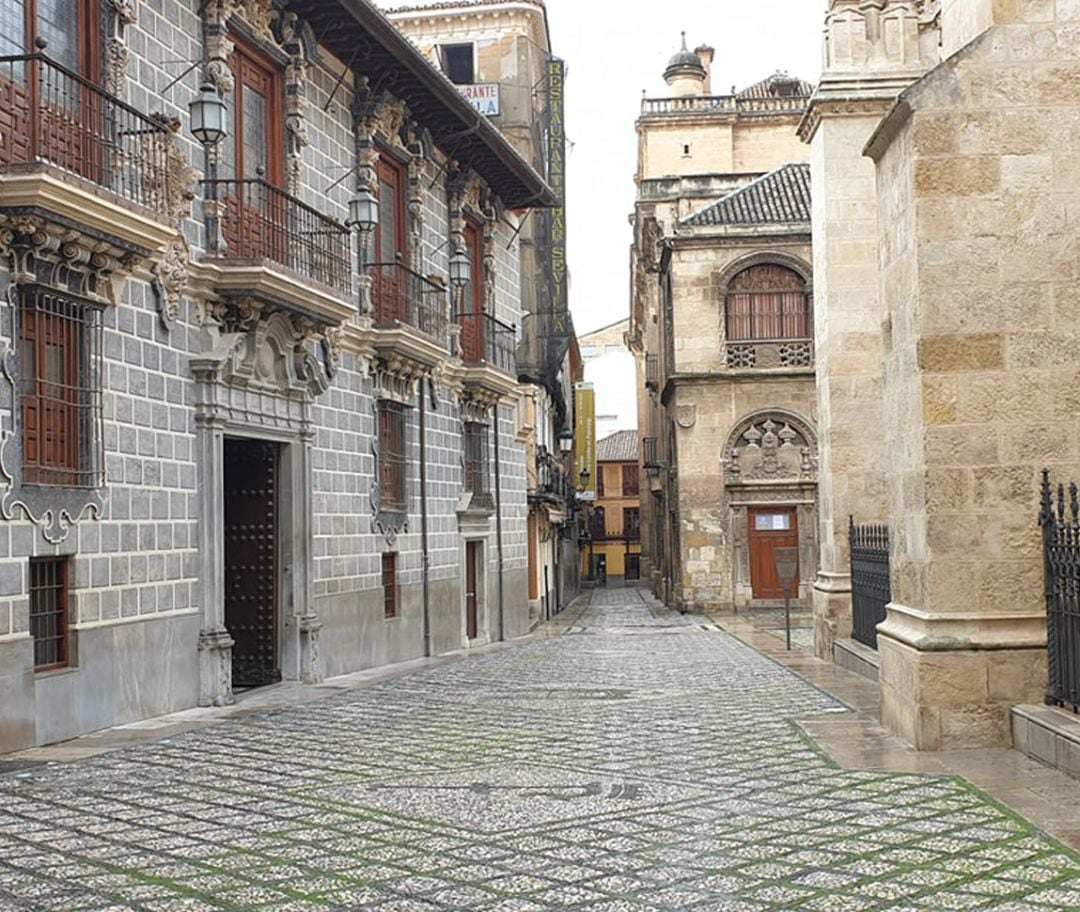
(585, 439)
(556, 156)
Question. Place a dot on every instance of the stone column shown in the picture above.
(215, 644)
(860, 83)
(308, 622)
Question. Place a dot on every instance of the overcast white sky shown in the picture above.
(615, 48)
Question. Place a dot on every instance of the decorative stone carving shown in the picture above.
(776, 447)
(170, 275)
(296, 133)
(179, 190)
(119, 15)
(686, 416)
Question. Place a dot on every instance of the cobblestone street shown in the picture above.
(662, 769)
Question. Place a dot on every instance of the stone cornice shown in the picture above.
(736, 235)
(853, 95)
(452, 20)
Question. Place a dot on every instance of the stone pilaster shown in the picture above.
(871, 55)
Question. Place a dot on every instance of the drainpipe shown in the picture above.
(498, 524)
(424, 517)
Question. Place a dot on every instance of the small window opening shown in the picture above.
(457, 63)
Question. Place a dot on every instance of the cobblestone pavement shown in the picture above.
(642, 761)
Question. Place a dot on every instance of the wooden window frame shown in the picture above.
(89, 32)
(393, 456)
(390, 171)
(631, 481)
(44, 658)
(476, 441)
(61, 423)
(391, 590)
(751, 313)
(631, 529)
(246, 62)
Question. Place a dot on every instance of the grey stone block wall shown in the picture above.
(137, 582)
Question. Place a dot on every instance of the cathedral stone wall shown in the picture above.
(977, 180)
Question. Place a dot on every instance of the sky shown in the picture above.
(613, 50)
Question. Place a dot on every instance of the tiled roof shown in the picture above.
(765, 88)
(622, 446)
(779, 198)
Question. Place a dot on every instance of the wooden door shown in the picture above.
(255, 214)
(472, 595)
(251, 560)
(49, 112)
(633, 567)
(472, 300)
(390, 286)
(770, 528)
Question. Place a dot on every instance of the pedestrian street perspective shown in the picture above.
(634, 759)
(337, 571)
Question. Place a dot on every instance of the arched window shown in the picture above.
(768, 303)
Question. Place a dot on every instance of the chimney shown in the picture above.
(706, 55)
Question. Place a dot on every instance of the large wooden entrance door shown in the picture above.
(472, 596)
(251, 560)
(770, 528)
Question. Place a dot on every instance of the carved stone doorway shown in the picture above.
(252, 559)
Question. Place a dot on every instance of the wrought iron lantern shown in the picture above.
(209, 115)
(566, 441)
(363, 210)
(460, 269)
(584, 477)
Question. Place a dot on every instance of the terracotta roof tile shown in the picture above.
(622, 446)
(779, 198)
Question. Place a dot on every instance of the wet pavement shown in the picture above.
(641, 761)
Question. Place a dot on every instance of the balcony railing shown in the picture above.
(401, 296)
(724, 104)
(766, 354)
(652, 372)
(50, 114)
(485, 339)
(261, 221)
(650, 451)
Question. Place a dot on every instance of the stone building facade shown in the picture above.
(721, 324)
(243, 443)
(945, 201)
(614, 541)
(498, 53)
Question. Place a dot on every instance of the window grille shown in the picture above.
(476, 459)
(61, 373)
(392, 456)
(632, 522)
(768, 302)
(48, 612)
(390, 585)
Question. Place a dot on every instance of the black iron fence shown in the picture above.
(871, 590)
(50, 114)
(400, 295)
(1060, 521)
(485, 339)
(261, 221)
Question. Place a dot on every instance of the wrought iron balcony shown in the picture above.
(402, 297)
(51, 115)
(768, 354)
(261, 221)
(487, 340)
(652, 372)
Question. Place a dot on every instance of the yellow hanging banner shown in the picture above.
(585, 440)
